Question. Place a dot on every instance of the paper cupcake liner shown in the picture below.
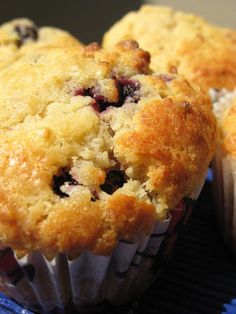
(62, 285)
(224, 184)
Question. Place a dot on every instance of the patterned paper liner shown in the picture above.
(224, 183)
(62, 285)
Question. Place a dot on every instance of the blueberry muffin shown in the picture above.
(20, 35)
(95, 155)
(181, 43)
(101, 149)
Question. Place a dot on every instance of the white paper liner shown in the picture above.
(224, 172)
(46, 286)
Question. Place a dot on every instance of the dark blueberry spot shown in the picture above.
(115, 179)
(60, 179)
(92, 92)
(95, 93)
(79, 92)
(128, 90)
(96, 106)
(100, 104)
(127, 93)
(26, 32)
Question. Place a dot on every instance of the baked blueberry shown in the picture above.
(128, 90)
(60, 179)
(115, 179)
(100, 103)
(26, 33)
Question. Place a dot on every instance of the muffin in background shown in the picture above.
(224, 165)
(203, 53)
(20, 35)
(181, 43)
(97, 161)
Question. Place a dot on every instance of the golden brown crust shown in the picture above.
(33, 216)
(171, 140)
(79, 116)
(228, 130)
(182, 43)
(96, 228)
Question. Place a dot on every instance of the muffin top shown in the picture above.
(18, 36)
(93, 149)
(181, 43)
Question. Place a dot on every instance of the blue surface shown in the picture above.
(230, 308)
(7, 306)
